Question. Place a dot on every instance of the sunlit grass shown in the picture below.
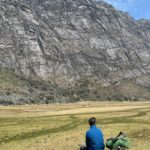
(62, 127)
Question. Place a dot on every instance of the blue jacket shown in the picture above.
(94, 139)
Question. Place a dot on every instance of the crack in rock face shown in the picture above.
(63, 41)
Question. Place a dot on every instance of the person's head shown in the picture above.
(92, 121)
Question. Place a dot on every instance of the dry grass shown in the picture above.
(63, 126)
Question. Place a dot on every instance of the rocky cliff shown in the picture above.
(84, 48)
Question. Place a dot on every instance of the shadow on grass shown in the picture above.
(73, 124)
(117, 111)
(25, 121)
(125, 119)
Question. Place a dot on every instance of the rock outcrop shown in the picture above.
(76, 44)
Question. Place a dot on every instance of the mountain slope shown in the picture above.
(68, 42)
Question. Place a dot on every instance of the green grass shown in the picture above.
(45, 131)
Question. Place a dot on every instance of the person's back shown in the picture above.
(94, 137)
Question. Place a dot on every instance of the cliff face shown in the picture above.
(145, 27)
(66, 41)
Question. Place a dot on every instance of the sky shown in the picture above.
(136, 8)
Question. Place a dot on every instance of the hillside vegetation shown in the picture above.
(18, 90)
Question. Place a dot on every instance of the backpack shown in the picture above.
(121, 142)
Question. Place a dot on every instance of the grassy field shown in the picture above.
(63, 126)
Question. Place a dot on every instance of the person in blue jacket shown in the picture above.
(94, 137)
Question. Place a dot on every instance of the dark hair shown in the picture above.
(92, 121)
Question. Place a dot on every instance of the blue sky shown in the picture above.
(136, 8)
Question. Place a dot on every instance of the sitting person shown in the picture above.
(94, 137)
(120, 142)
